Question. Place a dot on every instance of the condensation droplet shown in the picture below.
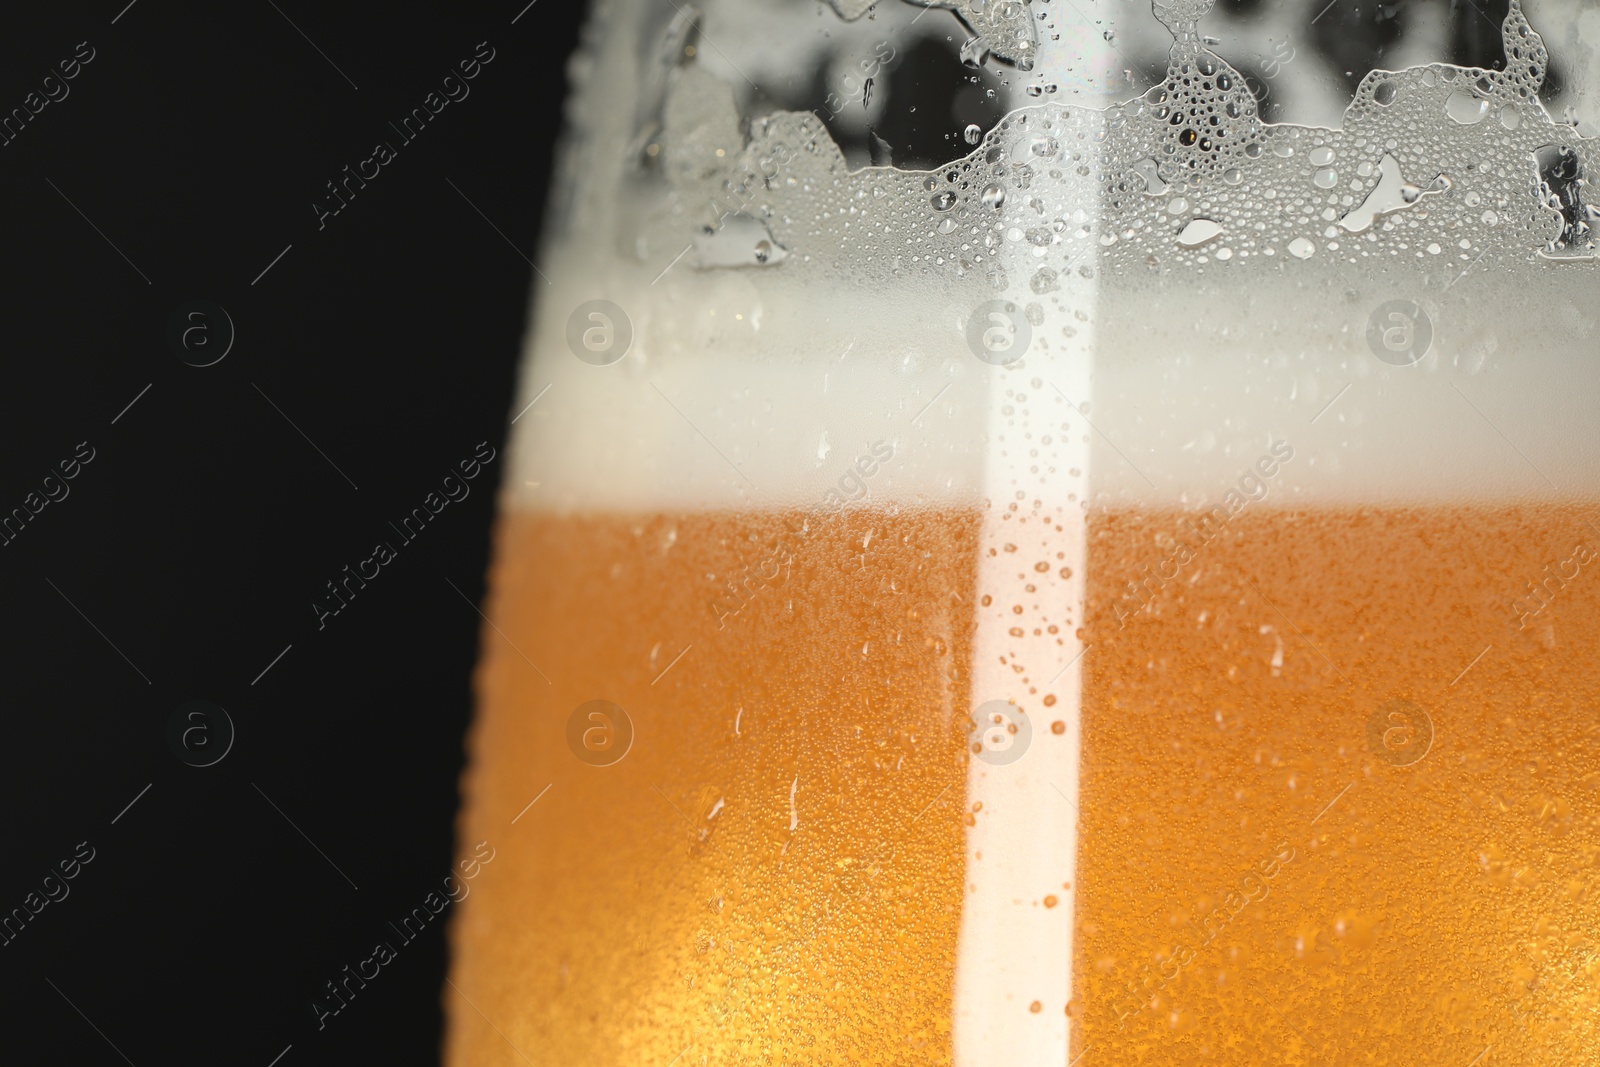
(1198, 232)
(1465, 108)
(1146, 169)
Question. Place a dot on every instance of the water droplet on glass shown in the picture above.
(1326, 178)
(973, 133)
(1465, 108)
(738, 241)
(1321, 156)
(994, 195)
(944, 200)
(1198, 232)
(1301, 248)
(1146, 169)
(975, 51)
(1385, 92)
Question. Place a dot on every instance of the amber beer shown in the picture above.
(753, 879)
(766, 905)
(1339, 790)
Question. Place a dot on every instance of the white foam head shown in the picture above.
(741, 383)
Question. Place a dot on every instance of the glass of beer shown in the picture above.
(1009, 556)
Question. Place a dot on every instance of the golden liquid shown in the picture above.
(624, 923)
(1438, 907)
(773, 873)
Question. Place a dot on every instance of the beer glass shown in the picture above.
(1014, 554)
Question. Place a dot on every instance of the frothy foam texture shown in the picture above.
(1447, 188)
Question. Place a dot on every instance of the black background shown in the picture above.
(188, 552)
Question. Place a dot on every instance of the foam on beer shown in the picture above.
(1437, 177)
